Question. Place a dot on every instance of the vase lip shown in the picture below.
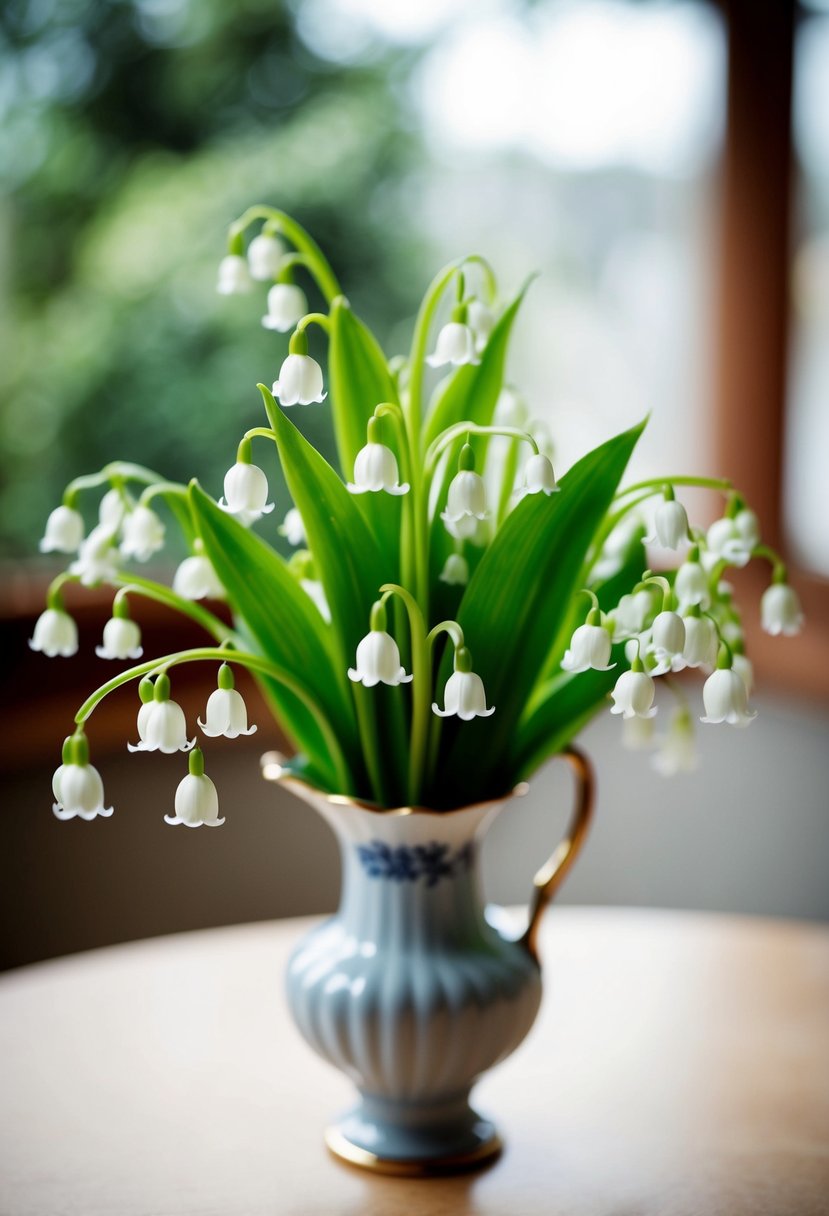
(273, 769)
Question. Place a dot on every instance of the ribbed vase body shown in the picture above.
(408, 989)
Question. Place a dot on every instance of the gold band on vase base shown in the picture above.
(433, 1167)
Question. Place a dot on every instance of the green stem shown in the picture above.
(475, 259)
(119, 469)
(254, 663)
(164, 487)
(445, 438)
(421, 688)
(317, 262)
(165, 595)
(321, 319)
(658, 484)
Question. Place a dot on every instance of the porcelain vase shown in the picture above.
(410, 989)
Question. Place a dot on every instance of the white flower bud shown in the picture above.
(55, 633)
(667, 642)
(122, 640)
(143, 534)
(287, 304)
(375, 468)
(589, 647)
(197, 803)
(293, 529)
(98, 557)
(112, 509)
(464, 696)
(725, 698)
(733, 540)
(633, 695)
(378, 661)
(481, 320)
(780, 610)
(234, 276)
(300, 381)
(701, 642)
(162, 726)
(455, 572)
(265, 254)
(64, 531)
(226, 714)
(466, 504)
(246, 493)
(195, 579)
(691, 585)
(79, 792)
(455, 345)
(539, 477)
(670, 524)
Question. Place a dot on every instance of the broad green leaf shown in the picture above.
(515, 603)
(359, 380)
(281, 622)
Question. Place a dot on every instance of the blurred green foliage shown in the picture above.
(131, 133)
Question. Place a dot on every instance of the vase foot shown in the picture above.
(407, 1141)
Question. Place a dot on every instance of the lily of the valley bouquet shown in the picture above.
(452, 615)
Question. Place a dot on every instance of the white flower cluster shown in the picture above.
(689, 621)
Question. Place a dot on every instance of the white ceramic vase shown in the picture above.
(410, 989)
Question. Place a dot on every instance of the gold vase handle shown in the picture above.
(551, 875)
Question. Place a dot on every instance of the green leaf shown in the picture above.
(282, 623)
(515, 602)
(359, 380)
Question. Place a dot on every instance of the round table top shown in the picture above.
(679, 1065)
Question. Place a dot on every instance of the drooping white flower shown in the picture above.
(63, 532)
(744, 668)
(122, 640)
(539, 477)
(226, 712)
(725, 698)
(634, 693)
(455, 572)
(196, 579)
(98, 557)
(464, 695)
(55, 633)
(668, 642)
(466, 499)
(691, 585)
(481, 320)
(378, 661)
(780, 610)
(265, 254)
(300, 381)
(375, 468)
(287, 304)
(455, 345)
(589, 647)
(162, 725)
(112, 509)
(77, 785)
(701, 642)
(315, 591)
(143, 534)
(246, 493)
(197, 803)
(293, 529)
(733, 540)
(670, 524)
(637, 733)
(234, 276)
(677, 752)
(631, 614)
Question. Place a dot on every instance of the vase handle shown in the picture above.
(551, 875)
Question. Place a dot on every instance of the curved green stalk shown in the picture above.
(165, 595)
(703, 483)
(317, 262)
(421, 688)
(445, 438)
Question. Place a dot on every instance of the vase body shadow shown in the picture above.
(408, 989)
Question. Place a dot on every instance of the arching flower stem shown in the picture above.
(657, 484)
(253, 662)
(174, 488)
(421, 686)
(452, 433)
(137, 585)
(278, 222)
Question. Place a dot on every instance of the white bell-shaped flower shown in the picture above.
(539, 477)
(234, 276)
(375, 468)
(667, 642)
(143, 534)
(634, 693)
(163, 726)
(638, 733)
(780, 610)
(63, 532)
(265, 254)
(77, 785)
(733, 540)
(122, 639)
(197, 803)
(670, 524)
(196, 579)
(464, 695)
(677, 752)
(378, 658)
(456, 345)
(701, 642)
(226, 712)
(631, 614)
(55, 633)
(246, 493)
(466, 499)
(455, 572)
(112, 509)
(481, 320)
(691, 584)
(293, 529)
(98, 557)
(744, 668)
(589, 647)
(287, 305)
(300, 377)
(725, 698)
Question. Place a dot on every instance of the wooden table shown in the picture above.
(680, 1064)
